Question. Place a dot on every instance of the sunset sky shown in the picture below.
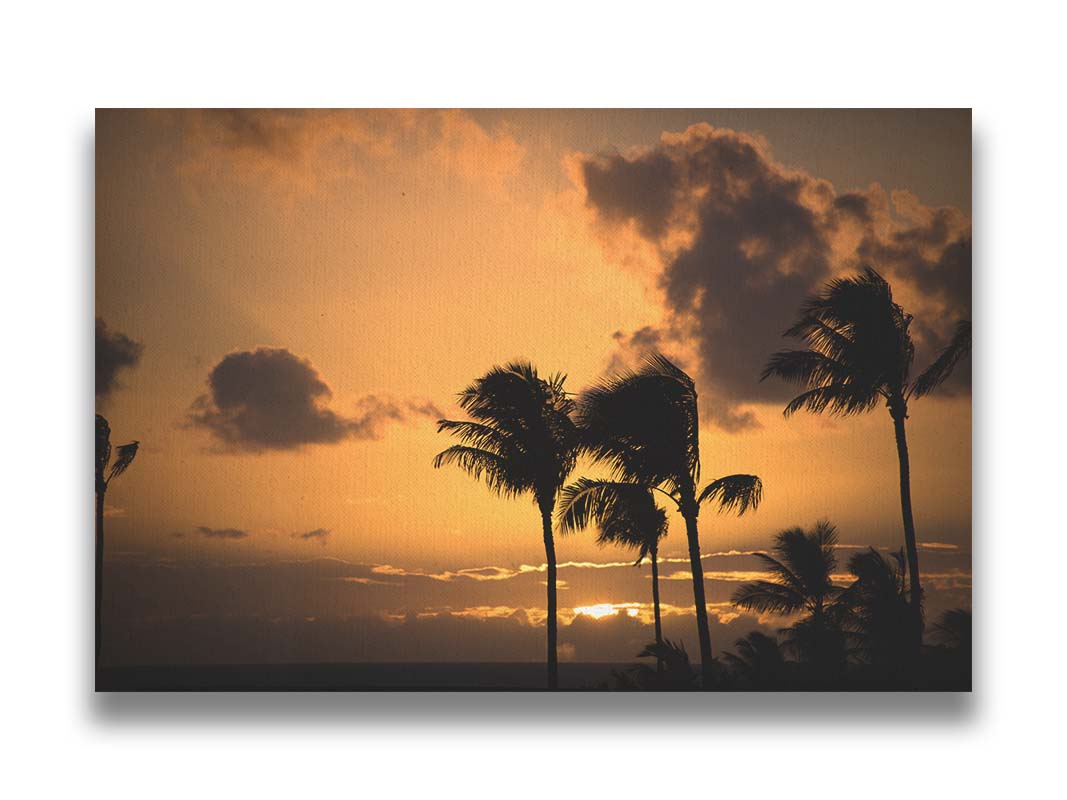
(292, 299)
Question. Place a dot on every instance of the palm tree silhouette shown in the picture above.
(801, 583)
(880, 618)
(759, 660)
(953, 630)
(627, 515)
(520, 438)
(859, 353)
(125, 454)
(644, 425)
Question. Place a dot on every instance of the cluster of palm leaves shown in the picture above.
(868, 622)
(526, 433)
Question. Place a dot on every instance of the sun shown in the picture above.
(601, 610)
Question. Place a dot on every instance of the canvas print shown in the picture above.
(602, 400)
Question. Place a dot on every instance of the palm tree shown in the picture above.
(759, 660)
(644, 425)
(627, 515)
(802, 584)
(520, 439)
(859, 353)
(124, 457)
(953, 630)
(881, 619)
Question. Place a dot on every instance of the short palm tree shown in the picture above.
(859, 353)
(644, 425)
(759, 660)
(953, 630)
(106, 471)
(801, 583)
(627, 515)
(520, 439)
(880, 618)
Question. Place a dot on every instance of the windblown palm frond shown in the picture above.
(859, 349)
(740, 492)
(767, 596)
(501, 476)
(953, 629)
(943, 366)
(626, 513)
(125, 455)
(644, 425)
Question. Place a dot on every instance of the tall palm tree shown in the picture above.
(644, 425)
(859, 353)
(627, 515)
(106, 471)
(801, 570)
(520, 439)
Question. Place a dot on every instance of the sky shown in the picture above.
(287, 302)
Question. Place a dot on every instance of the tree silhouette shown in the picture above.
(953, 630)
(644, 425)
(859, 353)
(880, 618)
(759, 660)
(106, 471)
(802, 584)
(627, 515)
(520, 439)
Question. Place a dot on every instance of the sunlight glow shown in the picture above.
(601, 610)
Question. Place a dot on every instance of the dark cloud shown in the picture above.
(114, 352)
(221, 533)
(743, 240)
(317, 535)
(271, 399)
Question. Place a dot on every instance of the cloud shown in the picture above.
(290, 150)
(271, 399)
(114, 352)
(221, 533)
(742, 239)
(319, 535)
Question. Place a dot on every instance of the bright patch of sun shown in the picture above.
(596, 612)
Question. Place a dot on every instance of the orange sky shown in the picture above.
(402, 254)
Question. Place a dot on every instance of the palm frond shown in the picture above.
(766, 596)
(125, 455)
(739, 492)
(501, 476)
(644, 425)
(943, 366)
(858, 348)
(479, 435)
(842, 399)
(626, 513)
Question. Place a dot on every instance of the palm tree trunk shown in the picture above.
(698, 598)
(99, 566)
(909, 522)
(550, 560)
(655, 607)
